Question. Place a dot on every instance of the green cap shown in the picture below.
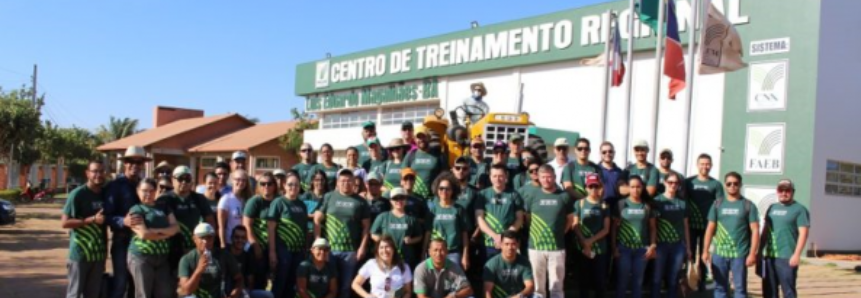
(369, 124)
(515, 137)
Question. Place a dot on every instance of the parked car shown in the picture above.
(7, 212)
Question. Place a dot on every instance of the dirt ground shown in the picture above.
(33, 254)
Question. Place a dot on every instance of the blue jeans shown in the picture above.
(119, 252)
(347, 266)
(779, 277)
(669, 260)
(631, 265)
(721, 268)
(261, 271)
(284, 282)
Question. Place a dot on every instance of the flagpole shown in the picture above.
(689, 96)
(605, 93)
(659, 55)
(628, 74)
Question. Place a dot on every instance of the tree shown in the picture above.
(117, 129)
(20, 127)
(293, 139)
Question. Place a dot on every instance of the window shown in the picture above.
(414, 113)
(208, 162)
(843, 178)
(267, 163)
(348, 119)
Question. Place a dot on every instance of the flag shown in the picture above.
(674, 59)
(616, 65)
(648, 12)
(720, 45)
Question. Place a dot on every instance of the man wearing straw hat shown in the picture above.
(474, 106)
(120, 196)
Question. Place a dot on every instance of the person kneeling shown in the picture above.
(439, 277)
(201, 270)
(508, 274)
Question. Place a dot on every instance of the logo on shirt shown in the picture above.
(594, 212)
(97, 205)
(548, 203)
(510, 272)
(779, 212)
(728, 211)
(701, 187)
(423, 161)
(158, 212)
(316, 278)
(636, 211)
(672, 208)
(444, 217)
(296, 209)
(344, 204)
(398, 226)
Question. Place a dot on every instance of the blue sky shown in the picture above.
(100, 58)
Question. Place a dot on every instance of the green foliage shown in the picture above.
(293, 139)
(10, 194)
(117, 129)
(20, 127)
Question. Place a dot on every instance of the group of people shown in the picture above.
(398, 221)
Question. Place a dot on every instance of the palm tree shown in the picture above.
(117, 129)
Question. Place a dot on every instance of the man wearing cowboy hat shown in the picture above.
(163, 169)
(475, 106)
(120, 196)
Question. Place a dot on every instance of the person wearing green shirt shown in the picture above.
(345, 218)
(498, 209)
(189, 207)
(405, 229)
(479, 166)
(392, 168)
(426, 164)
(665, 167)
(514, 160)
(416, 206)
(575, 172)
(634, 238)
(376, 162)
(317, 277)
(287, 220)
(152, 224)
(447, 220)
(328, 166)
(369, 130)
(203, 270)
(528, 156)
(734, 228)
(550, 217)
(591, 227)
(373, 195)
(84, 217)
(532, 185)
(508, 274)
(787, 224)
(644, 169)
(438, 276)
(701, 191)
(673, 237)
(306, 167)
(254, 217)
(314, 196)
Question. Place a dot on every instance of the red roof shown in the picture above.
(246, 139)
(155, 135)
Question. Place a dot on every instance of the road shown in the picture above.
(33, 263)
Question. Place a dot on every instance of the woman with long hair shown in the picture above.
(328, 165)
(634, 238)
(211, 193)
(389, 276)
(448, 220)
(406, 230)
(674, 244)
(314, 196)
(149, 251)
(392, 168)
(230, 206)
(254, 216)
(353, 164)
(287, 220)
(523, 178)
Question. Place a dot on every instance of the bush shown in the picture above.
(10, 194)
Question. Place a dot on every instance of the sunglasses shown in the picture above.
(135, 162)
(593, 186)
(221, 174)
(165, 187)
(374, 183)
(184, 179)
(409, 178)
(729, 184)
(785, 189)
(666, 157)
(532, 171)
(459, 168)
(582, 148)
(640, 149)
(399, 199)
(477, 146)
(671, 182)
(444, 188)
(266, 184)
(608, 151)
(561, 148)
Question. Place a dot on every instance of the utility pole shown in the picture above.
(35, 81)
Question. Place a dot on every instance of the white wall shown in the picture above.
(835, 219)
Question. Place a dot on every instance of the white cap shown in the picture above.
(203, 229)
(398, 191)
(277, 172)
(560, 142)
(239, 155)
(320, 242)
(181, 170)
(641, 143)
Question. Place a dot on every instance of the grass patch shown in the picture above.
(831, 265)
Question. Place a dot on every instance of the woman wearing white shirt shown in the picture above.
(390, 277)
(230, 206)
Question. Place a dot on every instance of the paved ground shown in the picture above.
(33, 254)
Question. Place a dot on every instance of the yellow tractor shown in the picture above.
(453, 139)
